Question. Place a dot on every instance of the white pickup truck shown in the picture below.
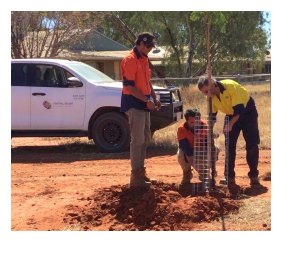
(53, 97)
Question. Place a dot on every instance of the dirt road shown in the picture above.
(55, 187)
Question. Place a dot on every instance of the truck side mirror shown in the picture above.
(74, 82)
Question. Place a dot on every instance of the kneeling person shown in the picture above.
(186, 137)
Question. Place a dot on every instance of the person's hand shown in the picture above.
(227, 128)
(150, 105)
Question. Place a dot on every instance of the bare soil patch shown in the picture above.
(60, 187)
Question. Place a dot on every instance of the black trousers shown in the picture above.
(248, 124)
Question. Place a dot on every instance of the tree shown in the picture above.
(46, 34)
(170, 26)
(234, 36)
(129, 36)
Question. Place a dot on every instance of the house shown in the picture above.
(251, 66)
(102, 53)
(105, 54)
(267, 66)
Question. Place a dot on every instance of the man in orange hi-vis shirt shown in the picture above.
(138, 99)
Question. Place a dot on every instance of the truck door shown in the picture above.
(54, 103)
(20, 97)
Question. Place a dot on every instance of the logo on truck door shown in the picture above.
(47, 105)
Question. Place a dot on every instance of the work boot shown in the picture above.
(146, 178)
(137, 179)
(187, 176)
(254, 181)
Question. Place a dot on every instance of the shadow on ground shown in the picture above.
(72, 152)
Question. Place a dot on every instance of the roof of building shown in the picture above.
(96, 41)
(103, 55)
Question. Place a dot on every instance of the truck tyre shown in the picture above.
(111, 133)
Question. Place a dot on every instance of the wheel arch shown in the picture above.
(110, 131)
(98, 113)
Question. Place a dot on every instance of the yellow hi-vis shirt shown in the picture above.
(233, 95)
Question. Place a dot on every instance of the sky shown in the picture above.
(267, 25)
(143, 244)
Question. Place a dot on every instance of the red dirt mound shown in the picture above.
(162, 207)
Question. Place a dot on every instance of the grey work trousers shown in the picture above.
(139, 121)
(199, 163)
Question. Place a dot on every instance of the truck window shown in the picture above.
(18, 74)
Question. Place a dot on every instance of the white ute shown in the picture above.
(53, 97)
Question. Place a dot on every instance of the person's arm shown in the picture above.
(153, 95)
(236, 94)
(229, 126)
(136, 93)
(129, 69)
(184, 146)
(183, 142)
(237, 111)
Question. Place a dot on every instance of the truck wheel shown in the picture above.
(111, 133)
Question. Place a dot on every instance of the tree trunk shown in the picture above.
(190, 51)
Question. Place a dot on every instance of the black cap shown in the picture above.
(147, 38)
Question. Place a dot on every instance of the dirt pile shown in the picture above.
(162, 207)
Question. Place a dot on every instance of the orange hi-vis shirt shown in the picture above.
(185, 133)
(135, 72)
